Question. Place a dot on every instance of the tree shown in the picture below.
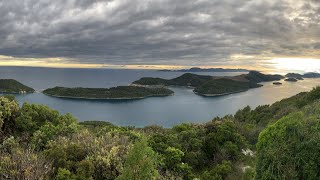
(141, 163)
(289, 149)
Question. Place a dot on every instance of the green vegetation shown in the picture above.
(279, 141)
(120, 92)
(212, 86)
(223, 86)
(13, 86)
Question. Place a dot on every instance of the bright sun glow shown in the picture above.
(297, 64)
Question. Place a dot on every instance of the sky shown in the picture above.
(254, 34)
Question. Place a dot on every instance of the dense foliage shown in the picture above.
(13, 86)
(37, 142)
(120, 92)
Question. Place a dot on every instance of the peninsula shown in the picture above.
(212, 85)
(120, 92)
(13, 86)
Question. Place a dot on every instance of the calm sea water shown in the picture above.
(184, 106)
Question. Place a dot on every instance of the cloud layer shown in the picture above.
(182, 32)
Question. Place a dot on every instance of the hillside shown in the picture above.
(223, 86)
(212, 85)
(13, 86)
(120, 92)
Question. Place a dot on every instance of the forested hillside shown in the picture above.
(278, 141)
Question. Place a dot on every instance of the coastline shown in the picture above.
(124, 98)
(222, 94)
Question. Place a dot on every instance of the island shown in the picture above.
(197, 69)
(212, 85)
(187, 80)
(120, 92)
(14, 87)
(291, 80)
(311, 75)
(294, 75)
(277, 83)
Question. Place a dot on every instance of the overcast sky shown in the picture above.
(160, 32)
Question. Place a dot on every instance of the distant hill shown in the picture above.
(196, 69)
(13, 86)
(257, 77)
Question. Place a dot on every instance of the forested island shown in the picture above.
(279, 141)
(13, 86)
(212, 85)
(120, 92)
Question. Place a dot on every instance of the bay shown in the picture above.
(184, 106)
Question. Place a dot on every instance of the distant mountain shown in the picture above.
(196, 69)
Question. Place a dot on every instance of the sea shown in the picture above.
(183, 107)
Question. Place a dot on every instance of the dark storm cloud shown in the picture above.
(158, 31)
